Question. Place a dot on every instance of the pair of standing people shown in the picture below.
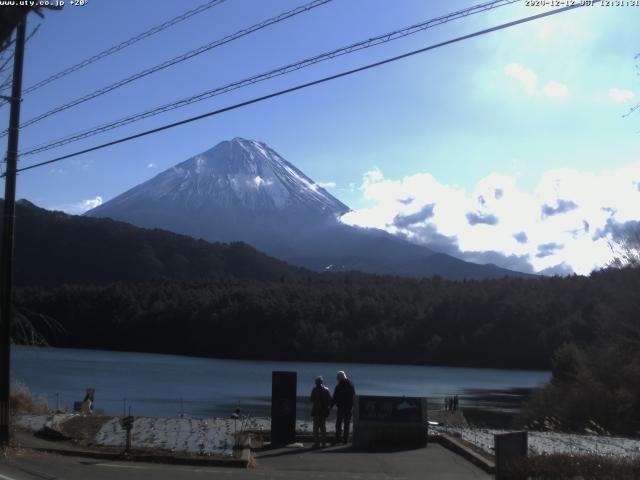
(322, 400)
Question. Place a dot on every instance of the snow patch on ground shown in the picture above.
(35, 423)
(203, 436)
(553, 442)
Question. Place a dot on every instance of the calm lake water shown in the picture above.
(169, 385)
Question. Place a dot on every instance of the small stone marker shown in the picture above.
(509, 447)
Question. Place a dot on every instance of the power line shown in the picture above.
(304, 85)
(180, 58)
(371, 42)
(123, 45)
(7, 63)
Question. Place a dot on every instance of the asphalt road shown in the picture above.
(433, 462)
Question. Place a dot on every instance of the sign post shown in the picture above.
(127, 424)
(509, 447)
(283, 407)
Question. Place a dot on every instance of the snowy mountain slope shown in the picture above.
(243, 190)
(238, 174)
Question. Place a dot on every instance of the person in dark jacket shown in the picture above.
(343, 398)
(321, 400)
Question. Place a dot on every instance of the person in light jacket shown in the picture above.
(343, 398)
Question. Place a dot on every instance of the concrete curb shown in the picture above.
(303, 437)
(458, 446)
(243, 456)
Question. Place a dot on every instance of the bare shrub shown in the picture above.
(22, 401)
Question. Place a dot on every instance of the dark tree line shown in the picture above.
(596, 383)
(508, 323)
(54, 248)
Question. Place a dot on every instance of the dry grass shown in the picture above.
(22, 401)
(586, 467)
(9, 453)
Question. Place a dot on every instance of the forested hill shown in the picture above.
(507, 323)
(52, 248)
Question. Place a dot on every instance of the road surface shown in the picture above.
(433, 462)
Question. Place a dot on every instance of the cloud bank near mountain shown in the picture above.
(564, 225)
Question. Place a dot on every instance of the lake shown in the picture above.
(171, 385)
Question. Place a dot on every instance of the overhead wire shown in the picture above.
(305, 85)
(175, 60)
(368, 43)
(122, 45)
(8, 65)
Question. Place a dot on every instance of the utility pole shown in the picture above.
(6, 260)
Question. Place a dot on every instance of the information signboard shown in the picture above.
(390, 409)
(390, 421)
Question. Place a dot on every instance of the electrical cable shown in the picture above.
(305, 85)
(175, 60)
(371, 42)
(123, 45)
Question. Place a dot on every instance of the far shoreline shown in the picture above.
(282, 360)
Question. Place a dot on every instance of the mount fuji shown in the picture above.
(242, 190)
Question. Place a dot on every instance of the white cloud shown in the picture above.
(326, 184)
(618, 95)
(372, 176)
(567, 220)
(555, 90)
(524, 75)
(77, 208)
(529, 81)
(85, 205)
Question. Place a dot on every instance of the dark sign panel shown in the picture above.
(508, 448)
(283, 407)
(390, 409)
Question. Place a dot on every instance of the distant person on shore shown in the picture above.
(343, 398)
(455, 403)
(321, 400)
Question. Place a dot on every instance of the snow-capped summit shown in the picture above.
(237, 174)
(242, 190)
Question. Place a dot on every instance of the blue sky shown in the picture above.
(535, 112)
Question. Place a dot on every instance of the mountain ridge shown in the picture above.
(242, 190)
(87, 250)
